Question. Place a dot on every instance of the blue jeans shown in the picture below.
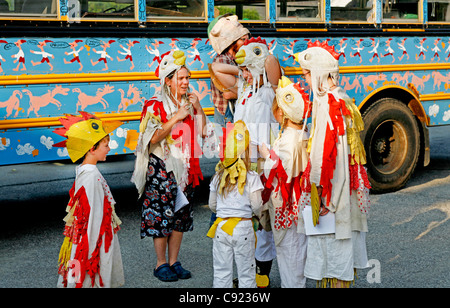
(223, 119)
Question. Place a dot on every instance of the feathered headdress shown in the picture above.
(253, 54)
(319, 56)
(236, 139)
(171, 61)
(293, 100)
(82, 133)
(323, 62)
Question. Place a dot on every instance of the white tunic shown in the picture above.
(111, 267)
(335, 255)
(255, 109)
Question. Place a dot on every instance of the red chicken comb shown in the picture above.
(255, 40)
(325, 46)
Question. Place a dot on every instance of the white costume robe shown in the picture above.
(336, 255)
(255, 109)
(177, 158)
(91, 223)
(287, 162)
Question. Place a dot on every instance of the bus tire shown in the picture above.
(391, 139)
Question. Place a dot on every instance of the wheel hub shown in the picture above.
(389, 147)
(380, 145)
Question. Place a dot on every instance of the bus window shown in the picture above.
(245, 10)
(42, 8)
(6, 7)
(406, 10)
(352, 10)
(294, 10)
(176, 8)
(439, 10)
(106, 8)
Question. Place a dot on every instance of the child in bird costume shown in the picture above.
(256, 80)
(90, 255)
(257, 70)
(335, 188)
(235, 195)
(283, 168)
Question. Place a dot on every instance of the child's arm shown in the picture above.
(263, 151)
(273, 70)
(256, 202)
(229, 95)
(213, 201)
(226, 74)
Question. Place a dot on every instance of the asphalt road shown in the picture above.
(408, 240)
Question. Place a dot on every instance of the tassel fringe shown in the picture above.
(64, 253)
(333, 282)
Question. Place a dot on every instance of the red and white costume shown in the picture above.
(281, 178)
(254, 104)
(90, 255)
(336, 158)
(181, 155)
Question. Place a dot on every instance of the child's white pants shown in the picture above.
(291, 257)
(241, 247)
(265, 248)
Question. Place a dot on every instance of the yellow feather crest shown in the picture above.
(179, 57)
(284, 82)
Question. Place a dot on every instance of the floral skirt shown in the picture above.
(158, 217)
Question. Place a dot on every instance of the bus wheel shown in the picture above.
(392, 143)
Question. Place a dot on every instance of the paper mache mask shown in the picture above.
(293, 100)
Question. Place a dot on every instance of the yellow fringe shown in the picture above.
(355, 125)
(237, 171)
(65, 252)
(69, 218)
(115, 220)
(332, 282)
(149, 116)
(315, 204)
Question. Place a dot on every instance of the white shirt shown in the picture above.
(256, 112)
(235, 204)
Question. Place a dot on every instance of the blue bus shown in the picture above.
(62, 56)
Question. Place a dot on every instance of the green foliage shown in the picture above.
(99, 7)
(249, 14)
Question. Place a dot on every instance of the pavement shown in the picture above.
(408, 229)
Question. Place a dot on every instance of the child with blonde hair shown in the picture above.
(235, 195)
(90, 255)
(283, 167)
(255, 81)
